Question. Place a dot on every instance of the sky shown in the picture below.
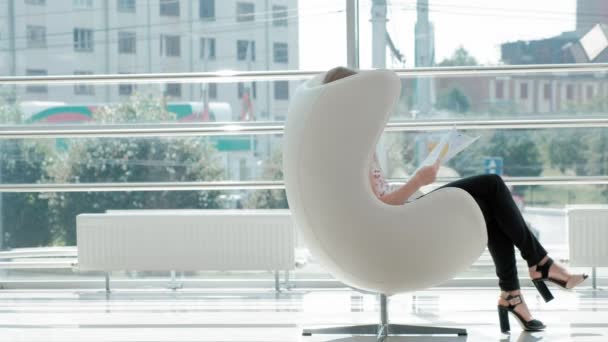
(480, 26)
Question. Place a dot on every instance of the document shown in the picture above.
(450, 144)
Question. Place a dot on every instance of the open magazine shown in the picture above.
(450, 144)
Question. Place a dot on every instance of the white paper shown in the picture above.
(450, 144)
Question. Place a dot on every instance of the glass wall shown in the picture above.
(100, 37)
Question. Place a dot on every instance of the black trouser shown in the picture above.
(506, 227)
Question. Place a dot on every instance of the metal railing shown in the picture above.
(273, 127)
(241, 76)
(255, 128)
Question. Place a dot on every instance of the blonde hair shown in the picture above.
(338, 73)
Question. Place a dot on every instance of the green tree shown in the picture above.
(24, 215)
(567, 151)
(518, 148)
(460, 57)
(131, 160)
(270, 199)
(454, 100)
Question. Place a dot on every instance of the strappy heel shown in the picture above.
(541, 286)
(503, 317)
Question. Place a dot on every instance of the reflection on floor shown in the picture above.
(243, 315)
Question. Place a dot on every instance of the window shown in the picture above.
(251, 89)
(173, 90)
(206, 9)
(589, 92)
(82, 88)
(240, 90)
(245, 11)
(35, 2)
(36, 36)
(83, 3)
(127, 43)
(280, 53)
(499, 92)
(523, 91)
(170, 45)
(169, 8)
(242, 50)
(547, 91)
(569, 92)
(279, 15)
(208, 48)
(281, 90)
(212, 90)
(36, 88)
(83, 39)
(126, 6)
(125, 89)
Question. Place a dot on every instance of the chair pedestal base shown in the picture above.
(384, 329)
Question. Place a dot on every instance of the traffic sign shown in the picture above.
(493, 165)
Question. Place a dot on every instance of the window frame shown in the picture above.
(277, 48)
(278, 93)
(167, 43)
(280, 16)
(127, 42)
(84, 39)
(31, 33)
(169, 8)
(126, 6)
(210, 13)
(245, 16)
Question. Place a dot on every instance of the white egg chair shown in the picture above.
(330, 136)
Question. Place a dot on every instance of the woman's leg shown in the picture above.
(501, 214)
(495, 202)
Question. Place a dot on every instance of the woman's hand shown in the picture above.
(427, 174)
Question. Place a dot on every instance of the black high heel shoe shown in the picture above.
(503, 316)
(540, 285)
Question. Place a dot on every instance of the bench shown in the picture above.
(186, 240)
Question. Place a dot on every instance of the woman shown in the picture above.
(506, 229)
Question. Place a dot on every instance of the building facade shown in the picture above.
(80, 37)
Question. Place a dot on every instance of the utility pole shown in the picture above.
(425, 57)
(378, 20)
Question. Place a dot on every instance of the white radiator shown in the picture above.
(588, 235)
(186, 240)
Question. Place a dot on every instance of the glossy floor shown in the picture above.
(253, 315)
